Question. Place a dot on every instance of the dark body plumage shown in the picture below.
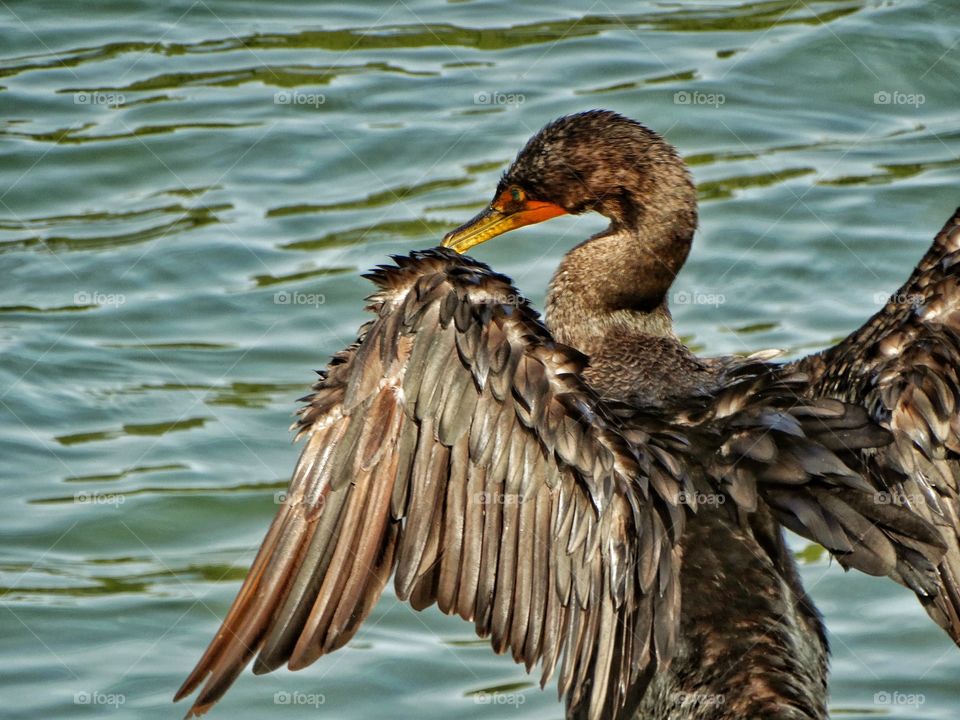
(593, 496)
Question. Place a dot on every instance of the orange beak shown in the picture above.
(497, 218)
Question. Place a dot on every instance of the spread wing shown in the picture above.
(903, 367)
(802, 458)
(455, 445)
(761, 444)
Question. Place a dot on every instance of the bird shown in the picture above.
(592, 495)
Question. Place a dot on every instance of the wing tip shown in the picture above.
(199, 707)
(189, 686)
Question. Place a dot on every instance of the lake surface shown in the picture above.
(189, 192)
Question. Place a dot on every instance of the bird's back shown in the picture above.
(751, 643)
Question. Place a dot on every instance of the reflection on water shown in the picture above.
(132, 429)
(390, 196)
(162, 161)
(762, 16)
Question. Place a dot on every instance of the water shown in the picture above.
(172, 172)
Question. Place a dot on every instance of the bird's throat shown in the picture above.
(615, 282)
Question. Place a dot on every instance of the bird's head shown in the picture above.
(596, 160)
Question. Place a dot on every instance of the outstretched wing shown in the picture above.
(903, 367)
(455, 444)
(802, 458)
(757, 440)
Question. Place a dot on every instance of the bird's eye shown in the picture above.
(516, 194)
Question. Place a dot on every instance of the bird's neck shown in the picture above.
(617, 282)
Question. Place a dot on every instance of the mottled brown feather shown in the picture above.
(903, 367)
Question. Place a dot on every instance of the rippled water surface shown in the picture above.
(190, 190)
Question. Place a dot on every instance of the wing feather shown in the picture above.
(903, 367)
(455, 445)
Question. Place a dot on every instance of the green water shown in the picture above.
(190, 190)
